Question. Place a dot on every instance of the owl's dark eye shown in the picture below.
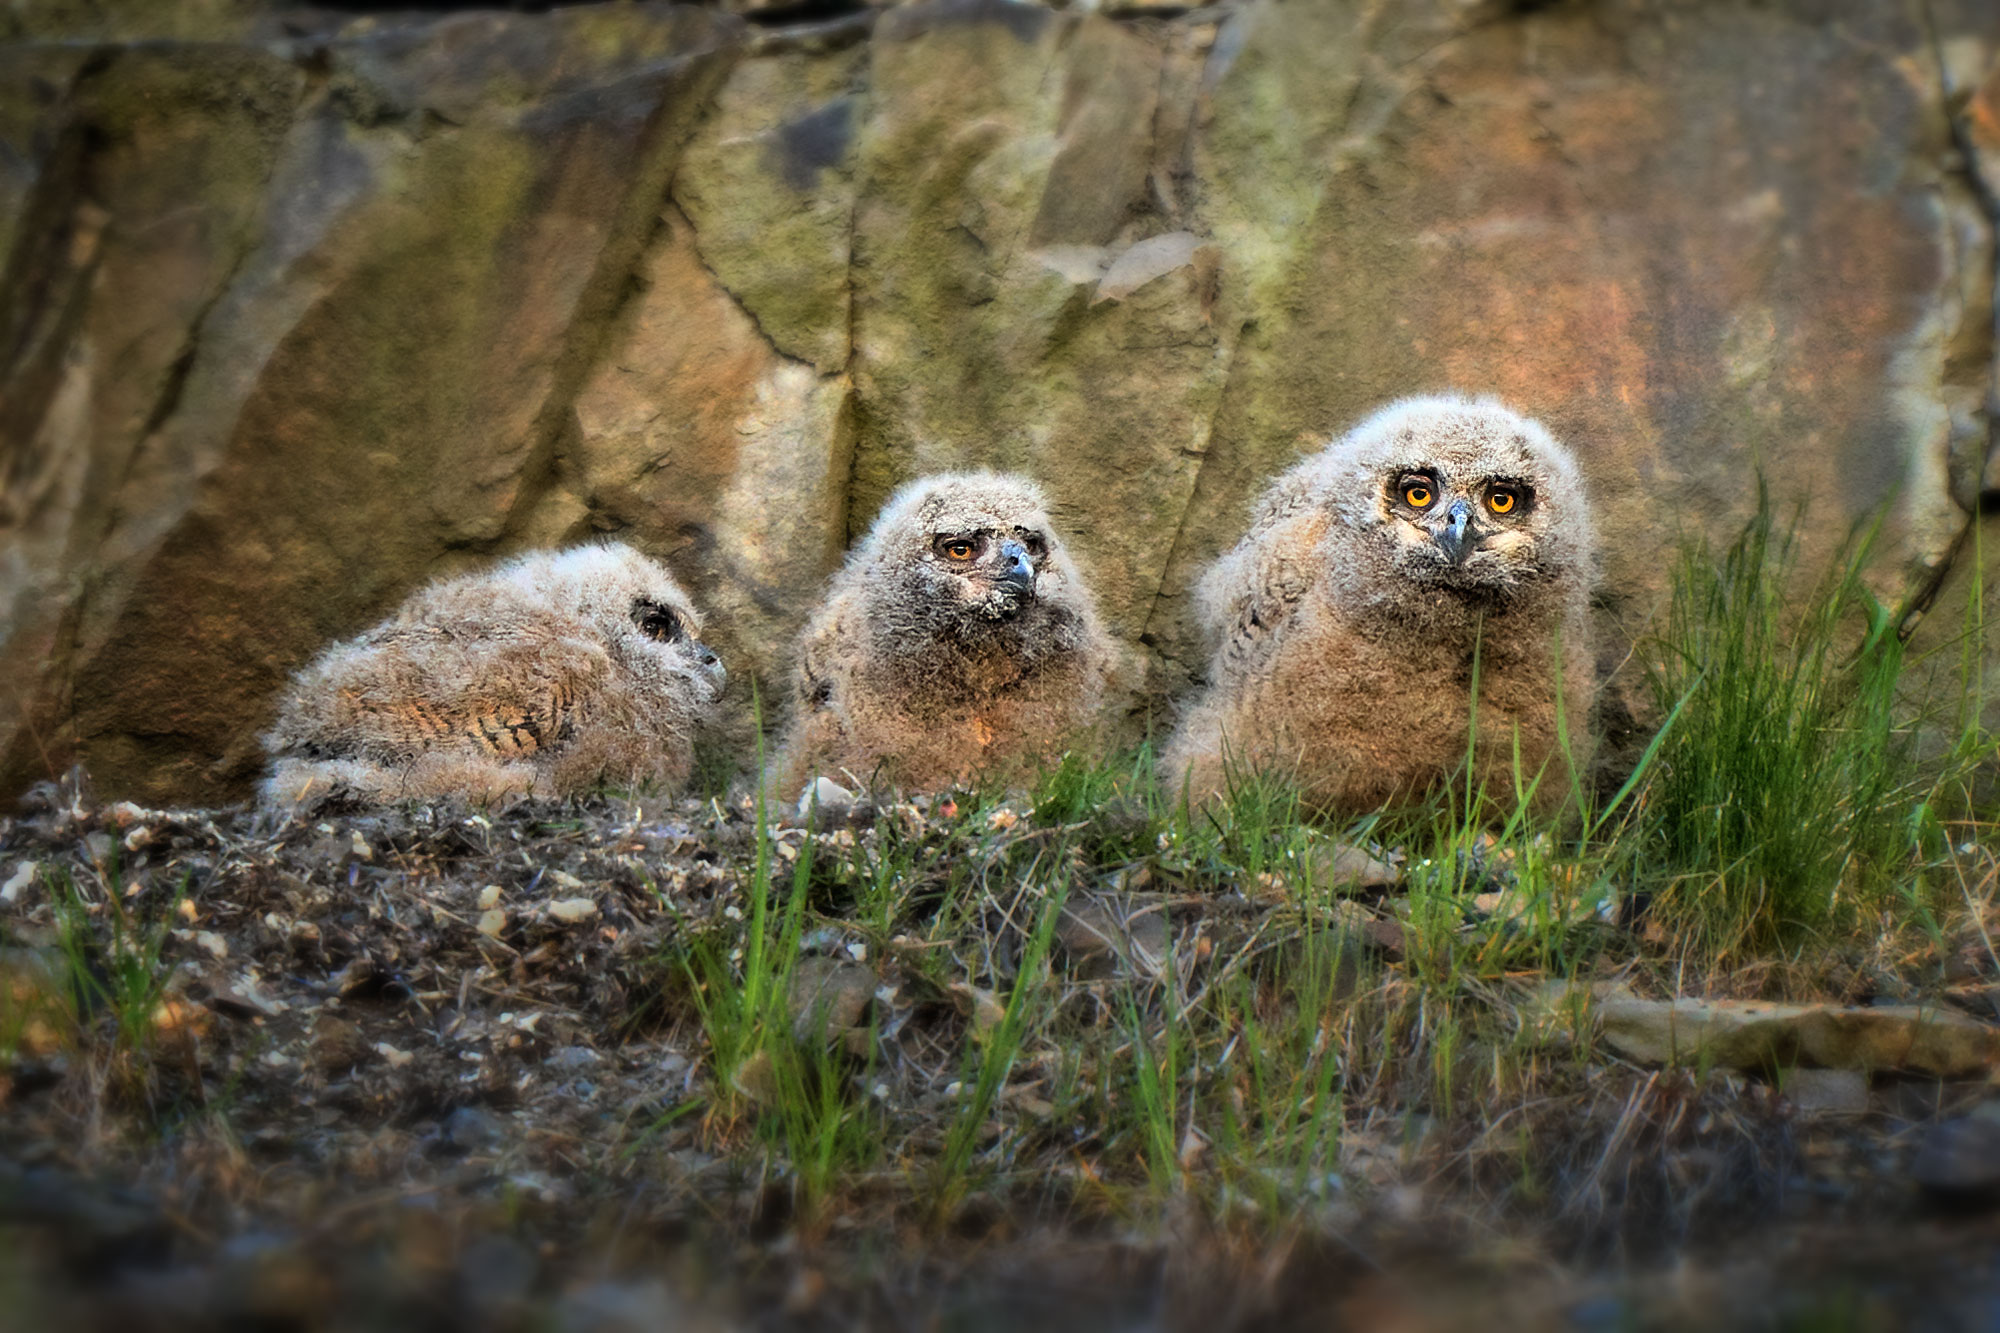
(960, 549)
(1504, 499)
(1037, 544)
(656, 621)
(1418, 493)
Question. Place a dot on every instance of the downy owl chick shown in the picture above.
(1441, 536)
(548, 675)
(959, 640)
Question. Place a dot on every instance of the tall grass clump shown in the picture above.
(776, 1064)
(1782, 800)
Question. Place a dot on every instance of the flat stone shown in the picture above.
(1753, 1035)
(1386, 935)
(571, 1058)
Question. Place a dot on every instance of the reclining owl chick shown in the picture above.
(550, 675)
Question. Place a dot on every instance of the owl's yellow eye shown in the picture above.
(1502, 501)
(1418, 495)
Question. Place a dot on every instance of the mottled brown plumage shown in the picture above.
(957, 642)
(551, 674)
(1345, 622)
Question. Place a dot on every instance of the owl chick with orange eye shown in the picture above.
(1441, 540)
(958, 642)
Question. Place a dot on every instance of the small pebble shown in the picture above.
(829, 796)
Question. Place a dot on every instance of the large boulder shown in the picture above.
(289, 326)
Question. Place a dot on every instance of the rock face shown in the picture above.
(301, 314)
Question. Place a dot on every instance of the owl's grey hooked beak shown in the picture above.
(1017, 569)
(711, 663)
(1451, 537)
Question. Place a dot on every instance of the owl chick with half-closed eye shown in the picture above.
(957, 641)
(549, 675)
(1440, 537)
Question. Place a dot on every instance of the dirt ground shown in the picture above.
(437, 1069)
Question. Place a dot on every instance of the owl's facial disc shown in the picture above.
(1460, 535)
(1434, 514)
(996, 569)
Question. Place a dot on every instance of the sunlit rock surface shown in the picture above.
(301, 308)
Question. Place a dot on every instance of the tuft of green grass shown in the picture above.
(102, 992)
(1957, 740)
(1782, 799)
(1076, 788)
(124, 975)
(1159, 1066)
(992, 1058)
(780, 1070)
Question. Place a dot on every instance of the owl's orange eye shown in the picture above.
(656, 621)
(1501, 500)
(1418, 495)
(958, 548)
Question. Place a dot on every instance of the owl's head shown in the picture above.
(1461, 496)
(650, 623)
(972, 547)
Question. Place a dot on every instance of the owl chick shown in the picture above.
(957, 641)
(1346, 622)
(548, 675)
